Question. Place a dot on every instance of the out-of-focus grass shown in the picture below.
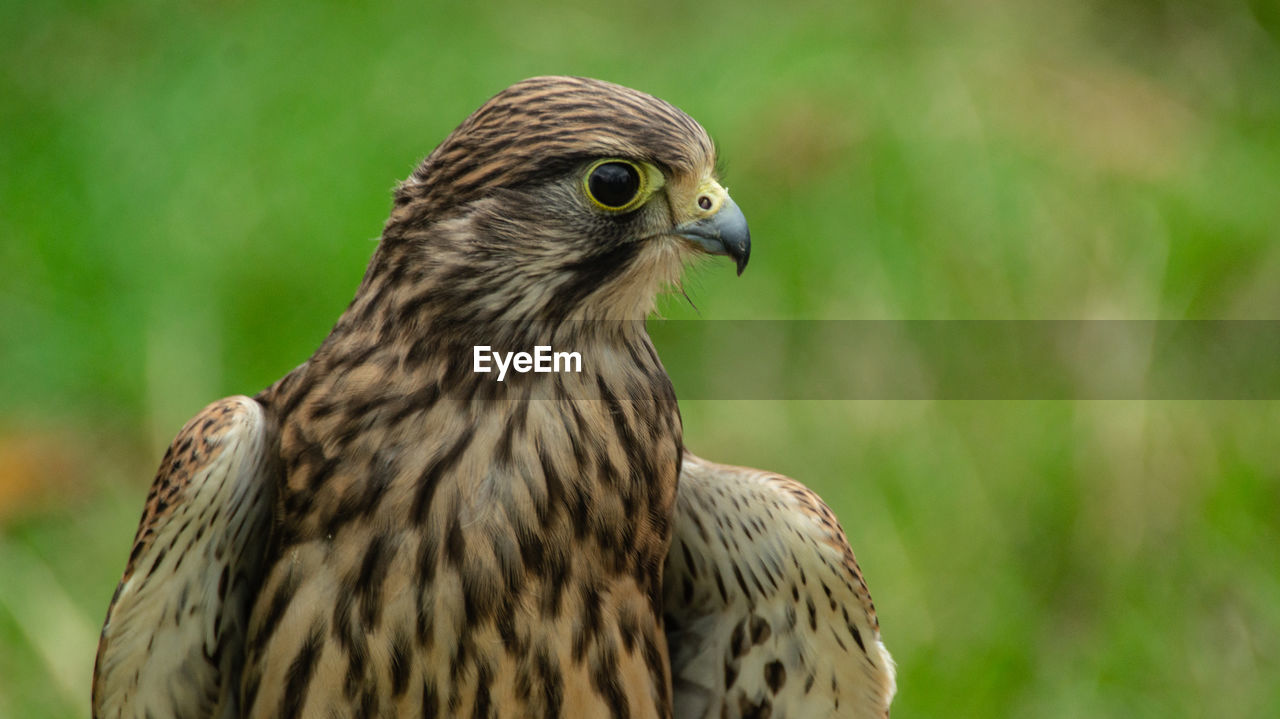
(189, 192)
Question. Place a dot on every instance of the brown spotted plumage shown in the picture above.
(173, 643)
(767, 611)
(387, 532)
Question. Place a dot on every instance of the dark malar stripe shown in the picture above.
(588, 275)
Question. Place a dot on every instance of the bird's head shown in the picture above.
(560, 198)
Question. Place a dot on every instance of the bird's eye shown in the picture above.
(615, 185)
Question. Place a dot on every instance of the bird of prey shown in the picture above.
(388, 531)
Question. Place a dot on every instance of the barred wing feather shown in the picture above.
(173, 642)
(767, 613)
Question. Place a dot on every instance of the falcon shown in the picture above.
(388, 531)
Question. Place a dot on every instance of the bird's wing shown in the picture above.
(767, 613)
(173, 641)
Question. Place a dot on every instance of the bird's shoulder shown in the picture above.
(209, 446)
(765, 603)
(176, 622)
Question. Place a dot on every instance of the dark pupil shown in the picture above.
(614, 184)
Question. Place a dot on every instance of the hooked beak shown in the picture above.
(724, 233)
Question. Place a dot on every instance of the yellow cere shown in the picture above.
(713, 191)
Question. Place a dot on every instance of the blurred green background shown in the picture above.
(189, 193)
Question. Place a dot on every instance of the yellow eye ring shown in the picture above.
(616, 185)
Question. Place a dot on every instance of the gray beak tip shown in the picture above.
(742, 257)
